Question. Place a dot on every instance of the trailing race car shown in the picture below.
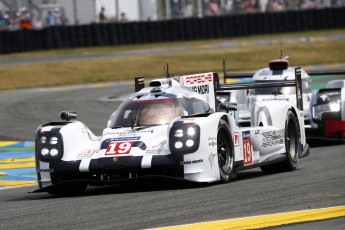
(278, 70)
(327, 109)
(324, 109)
(176, 128)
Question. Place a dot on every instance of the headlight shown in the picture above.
(318, 110)
(178, 133)
(184, 138)
(49, 146)
(191, 131)
(54, 152)
(53, 140)
(189, 143)
(43, 140)
(328, 101)
(44, 152)
(178, 144)
(335, 106)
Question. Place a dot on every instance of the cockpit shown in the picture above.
(133, 112)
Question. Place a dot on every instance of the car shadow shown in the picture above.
(320, 142)
(155, 184)
(134, 186)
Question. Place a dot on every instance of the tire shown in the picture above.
(292, 147)
(225, 152)
(68, 189)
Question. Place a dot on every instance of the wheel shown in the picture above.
(225, 152)
(292, 142)
(292, 147)
(68, 189)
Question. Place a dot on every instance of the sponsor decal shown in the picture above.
(201, 89)
(191, 162)
(236, 139)
(154, 149)
(86, 153)
(211, 160)
(271, 138)
(45, 170)
(246, 135)
(212, 143)
(165, 82)
(123, 139)
(116, 148)
(212, 138)
(153, 152)
(132, 132)
(197, 79)
(247, 148)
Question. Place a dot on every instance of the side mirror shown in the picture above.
(228, 106)
(68, 115)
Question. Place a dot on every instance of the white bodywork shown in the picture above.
(266, 75)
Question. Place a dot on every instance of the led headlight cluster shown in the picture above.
(184, 137)
(49, 146)
(327, 102)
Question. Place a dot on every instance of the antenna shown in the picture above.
(166, 70)
(281, 48)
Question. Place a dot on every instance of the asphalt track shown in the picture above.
(319, 181)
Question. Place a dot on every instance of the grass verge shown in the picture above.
(246, 58)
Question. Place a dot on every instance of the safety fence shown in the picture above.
(109, 34)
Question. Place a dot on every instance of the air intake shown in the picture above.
(278, 64)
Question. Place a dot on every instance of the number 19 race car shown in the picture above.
(176, 128)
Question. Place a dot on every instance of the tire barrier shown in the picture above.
(110, 34)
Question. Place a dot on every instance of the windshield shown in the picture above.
(147, 113)
(273, 91)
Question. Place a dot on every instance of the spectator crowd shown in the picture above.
(31, 19)
(185, 8)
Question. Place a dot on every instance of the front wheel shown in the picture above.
(225, 152)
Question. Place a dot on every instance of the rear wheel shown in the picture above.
(225, 151)
(292, 147)
(292, 142)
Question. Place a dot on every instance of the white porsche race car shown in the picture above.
(324, 109)
(176, 128)
(278, 71)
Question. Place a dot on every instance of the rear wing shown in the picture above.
(326, 72)
(254, 85)
(204, 84)
(227, 75)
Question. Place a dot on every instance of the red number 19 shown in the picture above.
(119, 148)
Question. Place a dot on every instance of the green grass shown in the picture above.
(249, 58)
